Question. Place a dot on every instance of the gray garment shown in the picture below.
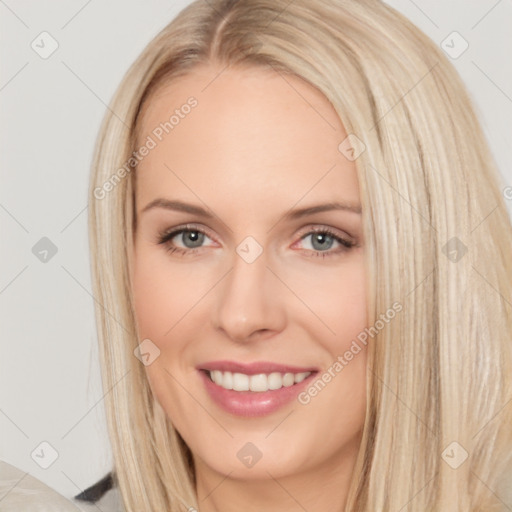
(110, 502)
(21, 492)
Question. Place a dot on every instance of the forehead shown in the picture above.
(252, 134)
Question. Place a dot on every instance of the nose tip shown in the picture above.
(244, 332)
(247, 307)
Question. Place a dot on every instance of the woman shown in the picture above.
(241, 369)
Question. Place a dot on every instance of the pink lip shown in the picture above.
(251, 403)
(253, 368)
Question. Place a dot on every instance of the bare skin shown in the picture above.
(253, 149)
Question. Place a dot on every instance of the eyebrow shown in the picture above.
(181, 206)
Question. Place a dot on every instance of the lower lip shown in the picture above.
(252, 403)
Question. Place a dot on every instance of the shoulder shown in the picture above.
(104, 494)
(21, 491)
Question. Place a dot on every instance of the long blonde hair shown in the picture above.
(437, 234)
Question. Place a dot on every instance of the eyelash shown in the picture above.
(166, 236)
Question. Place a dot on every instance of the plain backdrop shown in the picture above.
(51, 110)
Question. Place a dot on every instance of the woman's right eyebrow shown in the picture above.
(178, 206)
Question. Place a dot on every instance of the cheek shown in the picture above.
(338, 397)
(162, 304)
(160, 301)
(169, 308)
(162, 294)
(337, 298)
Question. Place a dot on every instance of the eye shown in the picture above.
(322, 240)
(191, 237)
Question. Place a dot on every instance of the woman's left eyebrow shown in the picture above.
(310, 210)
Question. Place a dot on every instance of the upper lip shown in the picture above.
(254, 368)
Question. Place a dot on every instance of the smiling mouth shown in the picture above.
(259, 383)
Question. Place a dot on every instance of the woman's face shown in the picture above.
(258, 291)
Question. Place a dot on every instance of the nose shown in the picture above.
(248, 305)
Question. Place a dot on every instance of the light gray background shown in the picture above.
(50, 113)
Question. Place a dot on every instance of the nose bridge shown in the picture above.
(247, 302)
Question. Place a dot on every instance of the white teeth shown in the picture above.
(288, 379)
(259, 383)
(216, 376)
(275, 381)
(299, 377)
(227, 380)
(240, 382)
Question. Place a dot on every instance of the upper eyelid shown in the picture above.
(186, 227)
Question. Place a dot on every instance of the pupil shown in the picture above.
(321, 239)
(195, 237)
